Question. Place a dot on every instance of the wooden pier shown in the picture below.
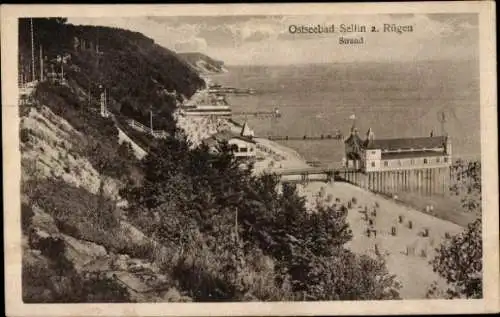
(231, 90)
(425, 181)
(328, 137)
(258, 114)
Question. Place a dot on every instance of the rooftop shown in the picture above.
(225, 136)
(413, 154)
(407, 143)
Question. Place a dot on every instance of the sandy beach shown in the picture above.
(413, 269)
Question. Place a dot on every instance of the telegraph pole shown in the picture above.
(236, 227)
(151, 119)
(41, 63)
(32, 51)
(62, 70)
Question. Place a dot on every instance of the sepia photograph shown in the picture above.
(210, 156)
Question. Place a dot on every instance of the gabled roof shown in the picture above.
(246, 131)
(407, 143)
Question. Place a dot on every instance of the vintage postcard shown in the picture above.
(238, 159)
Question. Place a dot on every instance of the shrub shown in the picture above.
(24, 135)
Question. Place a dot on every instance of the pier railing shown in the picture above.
(328, 137)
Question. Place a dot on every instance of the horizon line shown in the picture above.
(359, 62)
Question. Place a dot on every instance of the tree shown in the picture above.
(459, 258)
(218, 218)
(467, 184)
(459, 261)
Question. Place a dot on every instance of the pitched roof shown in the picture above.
(246, 131)
(407, 143)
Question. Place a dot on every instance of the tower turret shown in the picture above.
(370, 136)
(246, 131)
(448, 146)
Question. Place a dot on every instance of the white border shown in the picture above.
(11, 165)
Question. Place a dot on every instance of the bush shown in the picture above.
(26, 217)
(24, 135)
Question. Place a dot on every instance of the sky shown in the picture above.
(257, 40)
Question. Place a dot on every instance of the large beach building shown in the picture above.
(374, 155)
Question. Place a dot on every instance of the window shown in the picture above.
(386, 163)
(437, 160)
(412, 161)
(243, 149)
(425, 161)
(251, 149)
(373, 164)
(373, 152)
(446, 160)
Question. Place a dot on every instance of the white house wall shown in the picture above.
(242, 144)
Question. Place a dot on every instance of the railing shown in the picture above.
(159, 134)
(305, 138)
(26, 89)
(138, 126)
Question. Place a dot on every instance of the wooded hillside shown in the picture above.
(137, 72)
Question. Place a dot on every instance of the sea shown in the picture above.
(395, 100)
